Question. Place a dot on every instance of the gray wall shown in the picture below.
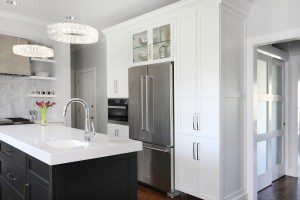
(95, 56)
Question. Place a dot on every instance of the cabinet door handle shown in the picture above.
(194, 126)
(198, 120)
(11, 176)
(194, 156)
(116, 86)
(198, 151)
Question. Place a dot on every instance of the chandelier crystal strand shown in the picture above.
(73, 33)
(33, 50)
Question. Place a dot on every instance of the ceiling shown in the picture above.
(98, 13)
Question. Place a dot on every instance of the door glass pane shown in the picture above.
(262, 117)
(276, 80)
(262, 77)
(161, 42)
(140, 47)
(276, 116)
(262, 157)
(277, 150)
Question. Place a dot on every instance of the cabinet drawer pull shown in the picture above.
(11, 176)
(10, 153)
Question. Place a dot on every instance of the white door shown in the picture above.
(186, 70)
(187, 165)
(85, 80)
(270, 120)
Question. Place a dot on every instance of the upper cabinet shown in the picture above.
(153, 45)
(117, 66)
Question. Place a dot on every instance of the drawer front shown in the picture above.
(13, 153)
(39, 171)
(13, 174)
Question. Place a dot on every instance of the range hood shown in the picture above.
(10, 63)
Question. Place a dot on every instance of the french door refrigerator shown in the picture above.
(151, 121)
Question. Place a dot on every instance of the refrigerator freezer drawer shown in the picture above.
(155, 167)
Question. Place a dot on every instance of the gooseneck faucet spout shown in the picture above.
(89, 127)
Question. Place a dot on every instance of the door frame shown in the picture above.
(250, 114)
(83, 70)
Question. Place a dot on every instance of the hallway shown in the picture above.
(285, 188)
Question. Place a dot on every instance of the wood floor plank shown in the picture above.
(285, 188)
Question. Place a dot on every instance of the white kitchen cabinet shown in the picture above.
(207, 41)
(210, 44)
(117, 130)
(198, 164)
(153, 45)
(117, 66)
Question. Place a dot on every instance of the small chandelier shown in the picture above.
(33, 50)
(72, 33)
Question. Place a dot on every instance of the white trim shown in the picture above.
(252, 44)
(83, 70)
(240, 6)
(237, 195)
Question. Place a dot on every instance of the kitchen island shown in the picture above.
(54, 162)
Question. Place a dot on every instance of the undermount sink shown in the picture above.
(67, 144)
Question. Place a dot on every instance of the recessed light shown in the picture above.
(13, 3)
(70, 17)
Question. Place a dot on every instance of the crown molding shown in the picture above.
(241, 6)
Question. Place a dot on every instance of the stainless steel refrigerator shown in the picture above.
(151, 121)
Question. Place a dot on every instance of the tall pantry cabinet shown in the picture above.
(206, 43)
(209, 99)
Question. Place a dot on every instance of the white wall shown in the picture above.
(95, 56)
(269, 16)
(62, 68)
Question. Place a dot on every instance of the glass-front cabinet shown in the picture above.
(153, 45)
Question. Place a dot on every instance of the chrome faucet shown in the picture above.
(89, 127)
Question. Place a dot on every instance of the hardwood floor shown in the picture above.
(285, 188)
(147, 193)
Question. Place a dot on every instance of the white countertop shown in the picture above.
(34, 140)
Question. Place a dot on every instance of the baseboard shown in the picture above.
(238, 195)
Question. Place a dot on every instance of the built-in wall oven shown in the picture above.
(118, 111)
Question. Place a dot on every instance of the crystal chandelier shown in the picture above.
(72, 33)
(33, 50)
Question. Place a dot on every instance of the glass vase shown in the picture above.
(44, 121)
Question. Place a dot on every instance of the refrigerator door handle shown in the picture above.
(142, 101)
(157, 149)
(146, 102)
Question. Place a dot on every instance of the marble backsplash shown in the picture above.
(13, 95)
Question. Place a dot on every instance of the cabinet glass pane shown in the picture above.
(262, 157)
(277, 151)
(277, 80)
(140, 47)
(161, 42)
(276, 123)
(262, 117)
(262, 77)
